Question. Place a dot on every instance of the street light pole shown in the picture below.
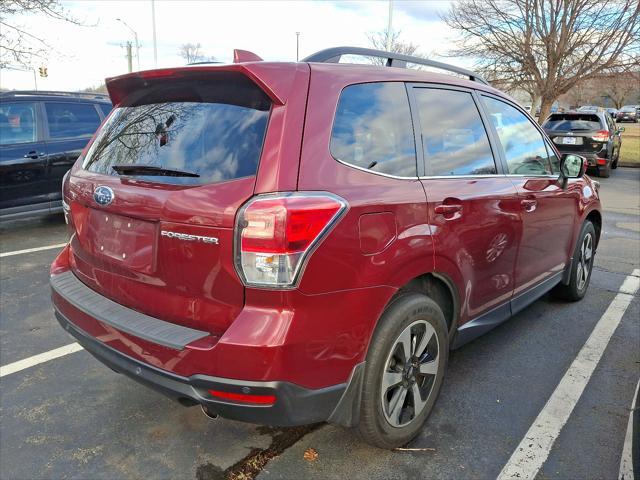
(390, 26)
(297, 46)
(155, 44)
(135, 37)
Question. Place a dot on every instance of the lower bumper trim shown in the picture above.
(295, 405)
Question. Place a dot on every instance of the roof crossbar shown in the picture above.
(332, 55)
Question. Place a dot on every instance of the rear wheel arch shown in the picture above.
(440, 289)
(595, 217)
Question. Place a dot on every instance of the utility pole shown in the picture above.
(35, 79)
(297, 46)
(390, 26)
(129, 59)
(155, 44)
(135, 37)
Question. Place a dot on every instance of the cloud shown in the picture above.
(85, 55)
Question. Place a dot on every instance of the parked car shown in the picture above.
(613, 112)
(628, 113)
(41, 136)
(289, 243)
(592, 135)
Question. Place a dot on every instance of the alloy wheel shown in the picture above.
(410, 373)
(585, 260)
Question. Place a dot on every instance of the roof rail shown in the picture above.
(16, 93)
(332, 55)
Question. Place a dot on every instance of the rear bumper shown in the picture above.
(592, 157)
(294, 405)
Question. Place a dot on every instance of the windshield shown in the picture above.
(216, 141)
(628, 109)
(572, 122)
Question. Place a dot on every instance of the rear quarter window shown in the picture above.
(372, 129)
(105, 108)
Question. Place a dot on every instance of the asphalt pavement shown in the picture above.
(72, 417)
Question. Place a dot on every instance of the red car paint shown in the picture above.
(487, 238)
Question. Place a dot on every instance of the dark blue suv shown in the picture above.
(41, 136)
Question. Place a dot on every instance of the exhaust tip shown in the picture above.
(207, 413)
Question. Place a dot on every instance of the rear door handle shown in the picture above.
(448, 209)
(529, 204)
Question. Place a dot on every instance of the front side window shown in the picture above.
(522, 143)
(454, 139)
(70, 120)
(17, 122)
(373, 130)
(553, 159)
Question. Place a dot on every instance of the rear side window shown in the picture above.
(373, 130)
(105, 108)
(522, 143)
(572, 122)
(68, 120)
(212, 130)
(17, 122)
(454, 139)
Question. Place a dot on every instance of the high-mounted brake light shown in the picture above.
(276, 233)
(601, 136)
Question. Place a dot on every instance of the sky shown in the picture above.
(82, 56)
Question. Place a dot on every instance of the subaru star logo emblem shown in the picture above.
(103, 195)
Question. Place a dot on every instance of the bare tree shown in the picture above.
(191, 52)
(620, 88)
(550, 44)
(380, 40)
(18, 46)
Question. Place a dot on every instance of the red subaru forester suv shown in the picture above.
(289, 243)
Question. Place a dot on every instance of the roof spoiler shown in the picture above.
(275, 80)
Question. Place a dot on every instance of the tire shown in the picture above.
(578, 285)
(412, 317)
(604, 172)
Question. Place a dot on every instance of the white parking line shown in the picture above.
(40, 358)
(530, 455)
(29, 250)
(626, 461)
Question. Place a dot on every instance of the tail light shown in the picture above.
(601, 136)
(276, 234)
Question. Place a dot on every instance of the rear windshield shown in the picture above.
(572, 122)
(214, 130)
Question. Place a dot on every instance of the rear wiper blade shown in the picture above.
(151, 170)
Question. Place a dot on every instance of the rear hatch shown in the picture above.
(154, 198)
(576, 132)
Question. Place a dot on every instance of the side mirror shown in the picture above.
(572, 166)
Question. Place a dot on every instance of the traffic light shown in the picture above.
(43, 72)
